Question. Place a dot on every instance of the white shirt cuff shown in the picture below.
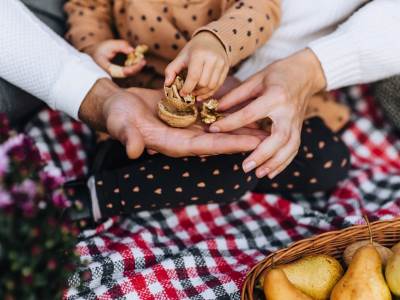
(68, 92)
(339, 58)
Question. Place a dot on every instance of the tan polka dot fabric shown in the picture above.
(166, 25)
(325, 106)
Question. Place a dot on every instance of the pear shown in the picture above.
(364, 279)
(278, 287)
(314, 275)
(392, 271)
(384, 252)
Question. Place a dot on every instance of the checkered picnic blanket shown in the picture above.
(204, 251)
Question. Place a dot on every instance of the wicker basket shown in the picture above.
(332, 243)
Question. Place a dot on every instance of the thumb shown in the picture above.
(175, 67)
(134, 142)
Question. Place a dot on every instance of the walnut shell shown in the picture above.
(209, 112)
(384, 252)
(136, 56)
(178, 103)
(177, 120)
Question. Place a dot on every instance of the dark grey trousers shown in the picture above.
(387, 93)
(16, 103)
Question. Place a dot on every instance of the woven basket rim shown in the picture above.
(328, 236)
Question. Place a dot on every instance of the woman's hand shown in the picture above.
(207, 63)
(104, 52)
(280, 92)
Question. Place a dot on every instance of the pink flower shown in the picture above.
(4, 162)
(51, 178)
(5, 199)
(28, 187)
(12, 142)
(59, 200)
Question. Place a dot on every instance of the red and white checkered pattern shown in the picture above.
(204, 252)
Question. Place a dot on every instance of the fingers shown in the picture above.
(151, 152)
(206, 74)
(115, 71)
(251, 88)
(278, 162)
(215, 83)
(134, 142)
(194, 142)
(211, 80)
(213, 144)
(260, 134)
(134, 69)
(195, 69)
(281, 167)
(118, 46)
(109, 50)
(175, 67)
(267, 149)
(254, 111)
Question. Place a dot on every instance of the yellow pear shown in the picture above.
(278, 287)
(364, 279)
(384, 252)
(392, 271)
(314, 275)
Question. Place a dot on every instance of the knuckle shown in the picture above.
(203, 82)
(213, 85)
(284, 133)
(296, 142)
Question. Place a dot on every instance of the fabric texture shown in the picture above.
(122, 186)
(204, 251)
(55, 65)
(387, 93)
(13, 100)
(355, 40)
(166, 26)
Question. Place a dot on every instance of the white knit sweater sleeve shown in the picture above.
(365, 48)
(38, 61)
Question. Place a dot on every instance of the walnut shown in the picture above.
(116, 71)
(209, 112)
(178, 111)
(175, 110)
(136, 56)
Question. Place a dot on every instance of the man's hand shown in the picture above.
(133, 121)
(280, 92)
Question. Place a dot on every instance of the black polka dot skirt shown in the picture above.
(153, 182)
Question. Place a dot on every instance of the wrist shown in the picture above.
(91, 110)
(210, 36)
(315, 70)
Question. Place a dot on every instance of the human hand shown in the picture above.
(132, 120)
(207, 62)
(229, 84)
(104, 52)
(280, 92)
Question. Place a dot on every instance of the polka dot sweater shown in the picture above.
(166, 25)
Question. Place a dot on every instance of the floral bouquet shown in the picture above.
(36, 244)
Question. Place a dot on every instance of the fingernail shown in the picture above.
(263, 172)
(215, 129)
(248, 166)
(272, 175)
